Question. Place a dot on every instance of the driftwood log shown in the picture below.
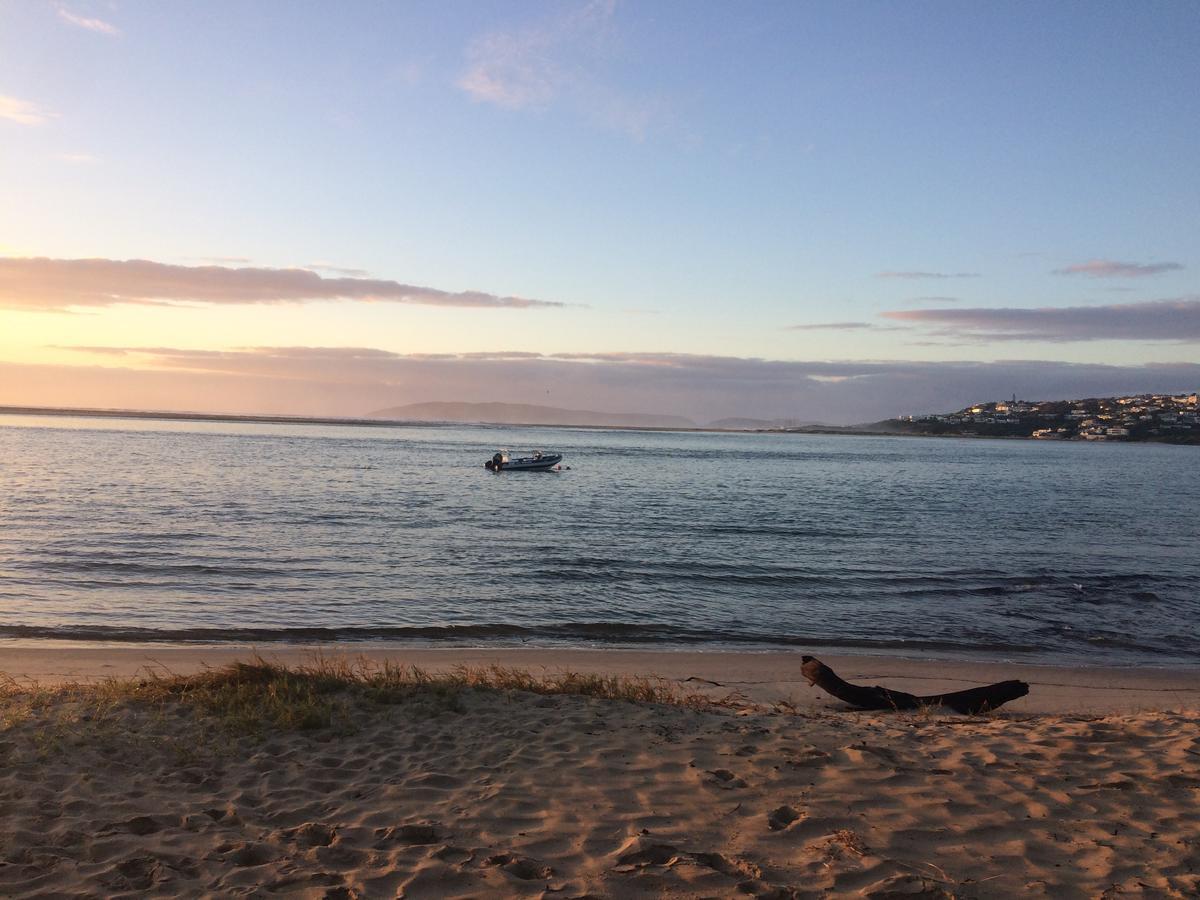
(970, 701)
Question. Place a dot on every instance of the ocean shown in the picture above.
(135, 530)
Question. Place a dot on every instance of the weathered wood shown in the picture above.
(971, 701)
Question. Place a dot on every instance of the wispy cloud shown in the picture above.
(832, 326)
(506, 70)
(97, 25)
(1157, 320)
(918, 276)
(557, 60)
(530, 66)
(355, 380)
(23, 112)
(1107, 268)
(337, 270)
(77, 159)
(57, 284)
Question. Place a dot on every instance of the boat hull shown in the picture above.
(531, 465)
(540, 464)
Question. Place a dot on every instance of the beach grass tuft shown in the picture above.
(322, 694)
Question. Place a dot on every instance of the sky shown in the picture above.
(828, 211)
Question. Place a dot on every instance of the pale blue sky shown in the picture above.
(689, 177)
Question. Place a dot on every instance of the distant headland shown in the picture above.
(525, 414)
(1168, 418)
(1165, 418)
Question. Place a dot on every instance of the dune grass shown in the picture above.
(325, 693)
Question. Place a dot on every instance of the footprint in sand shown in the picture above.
(522, 867)
(415, 833)
(641, 853)
(311, 834)
(723, 778)
(781, 817)
(138, 825)
(138, 873)
(227, 815)
(733, 868)
(448, 853)
(247, 854)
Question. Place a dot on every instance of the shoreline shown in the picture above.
(763, 677)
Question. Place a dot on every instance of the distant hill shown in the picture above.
(741, 424)
(525, 414)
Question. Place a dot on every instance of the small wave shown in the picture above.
(167, 569)
(571, 633)
(785, 531)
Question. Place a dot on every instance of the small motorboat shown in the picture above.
(537, 461)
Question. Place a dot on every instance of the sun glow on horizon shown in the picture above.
(577, 180)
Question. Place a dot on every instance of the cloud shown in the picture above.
(77, 159)
(338, 270)
(558, 60)
(97, 25)
(936, 300)
(59, 284)
(351, 381)
(1107, 268)
(529, 67)
(1157, 320)
(23, 112)
(917, 276)
(506, 70)
(832, 326)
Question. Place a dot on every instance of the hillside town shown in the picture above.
(1170, 418)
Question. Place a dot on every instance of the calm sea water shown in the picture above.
(127, 530)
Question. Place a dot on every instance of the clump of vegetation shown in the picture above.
(248, 698)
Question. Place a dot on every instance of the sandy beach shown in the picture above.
(1088, 787)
